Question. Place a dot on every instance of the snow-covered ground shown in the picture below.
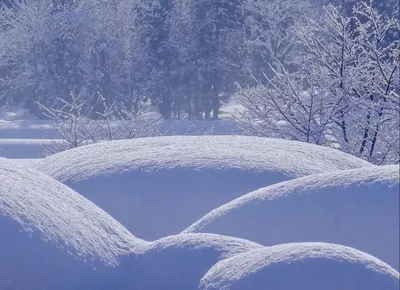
(358, 208)
(26, 148)
(23, 135)
(179, 262)
(158, 186)
(316, 266)
(104, 216)
(51, 236)
(26, 161)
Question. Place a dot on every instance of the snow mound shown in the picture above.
(311, 266)
(357, 208)
(53, 238)
(158, 186)
(179, 262)
(25, 161)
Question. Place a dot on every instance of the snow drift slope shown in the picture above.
(53, 238)
(357, 208)
(311, 266)
(178, 262)
(24, 161)
(158, 186)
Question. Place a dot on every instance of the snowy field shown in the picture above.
(24, 136)
(192, 212)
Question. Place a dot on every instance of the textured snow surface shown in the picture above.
(357, 208)
(159, 186)
(25, 161)
(308, 266)
(179, 262)
(53, 238)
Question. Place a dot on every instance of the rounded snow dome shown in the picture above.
(311, 266)
(179, 262)
(53, 238)
(357, 208)
(158, 186)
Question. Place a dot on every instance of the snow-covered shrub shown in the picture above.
(344, 91)
(78, 124)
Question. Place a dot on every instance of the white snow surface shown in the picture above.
(158, 186)
(179, 262)
(52, 237)
(25, 161)
(357, 208)
(310, 266)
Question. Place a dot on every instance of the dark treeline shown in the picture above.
(184, 56)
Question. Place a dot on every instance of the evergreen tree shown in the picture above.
(156, 27)
(219, 39)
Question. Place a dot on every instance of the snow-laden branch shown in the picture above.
(344, 90)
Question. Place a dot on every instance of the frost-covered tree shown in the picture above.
(289, 105)
(219, 37)
(43, 51)
(74, 124)
(193, 47)
(49, 48)
(183, 68)
(23, 48)
(155, 22)
(269, 34)
(181, 54)
(71, 119)
(345, 91)
(117, 63)
(67, 57)
(379, 83)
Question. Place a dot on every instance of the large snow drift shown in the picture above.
(53, 238)
(179, 262)
(158, 186)
(311, 266)
(25, 162)
(357, 208)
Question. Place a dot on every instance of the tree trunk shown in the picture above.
(215, 107)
